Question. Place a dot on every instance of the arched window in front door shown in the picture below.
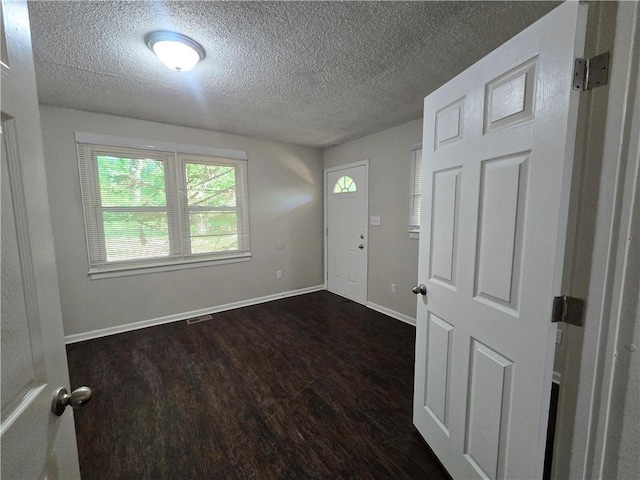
(345, 184)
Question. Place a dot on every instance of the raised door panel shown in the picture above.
(339, 257)
(15, 334)
(438, 371)
(488, 405)
(339, 226)
(502, 207)
(449, 125)
(509, 99)
(445, 204)
(22, 355)
(354, 225)
(353, 263)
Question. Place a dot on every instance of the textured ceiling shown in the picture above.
(311, 73)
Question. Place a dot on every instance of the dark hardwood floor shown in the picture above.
(313, 386)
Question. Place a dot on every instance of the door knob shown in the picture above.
(76, 399)
(420, 289)
(361, 246)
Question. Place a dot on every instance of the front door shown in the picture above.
(35, 443)
(498, 149)
(346, 193)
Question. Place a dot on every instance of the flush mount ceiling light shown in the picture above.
(178, 52)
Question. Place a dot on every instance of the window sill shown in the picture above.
(168, 266)
(415, 235)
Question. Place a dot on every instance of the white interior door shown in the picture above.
(347, 210)
(498, 150)
(35, 443)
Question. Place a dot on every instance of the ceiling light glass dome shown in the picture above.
(178, 52)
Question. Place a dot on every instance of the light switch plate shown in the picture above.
(375, 220)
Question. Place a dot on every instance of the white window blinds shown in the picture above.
(151, 207)
(415, 188)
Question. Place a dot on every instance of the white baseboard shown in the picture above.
(103, 332)
(392, 313)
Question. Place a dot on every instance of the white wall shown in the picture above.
(285, 195)
(393, 256)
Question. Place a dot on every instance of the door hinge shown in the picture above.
(589, 73)
(568, 310)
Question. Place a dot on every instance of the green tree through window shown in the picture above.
(211, 199)
(134, 207)
(150, 206)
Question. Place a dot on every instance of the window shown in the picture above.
(416, 189)
(165, 205)
(345, 184)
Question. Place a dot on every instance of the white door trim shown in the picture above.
(360, 163)
(588, 404)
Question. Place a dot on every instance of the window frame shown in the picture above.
(242, 216)
(174, 156)
(415, 190)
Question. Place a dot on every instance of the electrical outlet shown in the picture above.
(279, 274)
(394, 288)
(558, 337)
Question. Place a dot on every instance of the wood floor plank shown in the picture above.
(307, 387)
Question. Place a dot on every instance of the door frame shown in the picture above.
(606, 158)
(325, 227)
